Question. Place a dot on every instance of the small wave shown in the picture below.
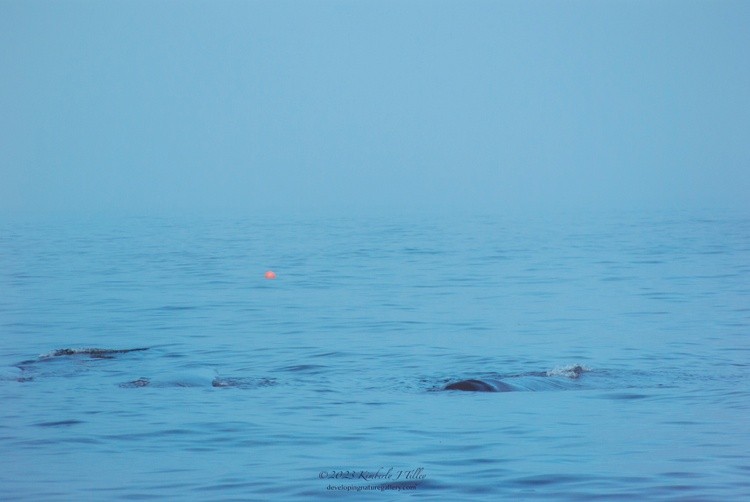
(308, 368)
(141, 382)
(13, 374)
(573, 371)
(242, 383)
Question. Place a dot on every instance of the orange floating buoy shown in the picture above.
(270, 274)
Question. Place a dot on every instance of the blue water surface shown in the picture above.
(327, 383)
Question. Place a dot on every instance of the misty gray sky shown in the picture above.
(162, 106)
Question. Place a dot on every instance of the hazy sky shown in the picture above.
(244, 106)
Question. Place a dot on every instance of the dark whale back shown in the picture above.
(93, 353)
(558, 379)
(480, 386)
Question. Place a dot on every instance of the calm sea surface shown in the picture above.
(326, 383)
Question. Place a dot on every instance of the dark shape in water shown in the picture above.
(479, 386)
(59, 423)
(557, 379)
(195, 379)
(141, 382)
(91, 352)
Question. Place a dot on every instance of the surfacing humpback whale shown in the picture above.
(32, 367)
(557, 379)
(91, 352)
(52, 364)
(479, 386)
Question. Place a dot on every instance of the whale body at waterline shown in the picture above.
(89, 352)
(69, 362)
(66, 362)
(480, 386)
(558, 379)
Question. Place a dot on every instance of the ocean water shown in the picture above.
(623, 341)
